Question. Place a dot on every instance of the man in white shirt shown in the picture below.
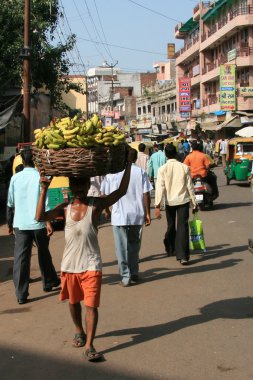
(127, 217)
(223, 152)
(174, 179)
(143, 159)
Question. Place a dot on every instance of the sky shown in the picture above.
(126, 24)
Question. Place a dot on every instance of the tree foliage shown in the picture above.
(49, 62)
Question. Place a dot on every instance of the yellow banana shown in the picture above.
(71, 131)
(53, 146)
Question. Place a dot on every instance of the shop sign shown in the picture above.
(197, 105)
(184, 86)
(108, 121)
(196, 70)
(185, 115)
(164, 127)
(231, 54)
(246, 91)
(227, 87)
(155, 129)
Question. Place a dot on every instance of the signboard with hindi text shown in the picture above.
(184, 87)
(246, 91)
(227, 88)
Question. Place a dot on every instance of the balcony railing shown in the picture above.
(187, 46)
(222, 22)
(212, 99)
(212, 31)
(241, 10)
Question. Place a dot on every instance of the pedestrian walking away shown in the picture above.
(174, 179)
(181, 151)
(128, 216)
(22, 201)
(143, 158)
(157, 159)
(81, 267)
(223, 152)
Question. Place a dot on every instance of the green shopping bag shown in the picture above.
(197, 241)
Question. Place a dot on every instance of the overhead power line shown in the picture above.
(153, 11)
(87, 30)
(75, 46)
(96, 29)
(102, 29)
(122, 47)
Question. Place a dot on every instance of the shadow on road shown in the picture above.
(235, 308)
(20, 364)
(160, 273)
(223, 206)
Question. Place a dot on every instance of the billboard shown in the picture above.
(227, 88)
(170, 51)
(184, 88)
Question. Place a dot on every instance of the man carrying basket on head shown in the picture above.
(81, 264)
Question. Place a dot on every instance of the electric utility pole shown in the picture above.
(112, 81)
(25, 53)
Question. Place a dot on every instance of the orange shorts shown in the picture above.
(85, 286)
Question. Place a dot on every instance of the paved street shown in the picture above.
(180, 323)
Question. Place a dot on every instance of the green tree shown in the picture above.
(49, 62)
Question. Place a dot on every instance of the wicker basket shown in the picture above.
(81, 162)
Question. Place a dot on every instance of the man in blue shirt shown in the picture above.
(127, 218)
(156, 161)
(23, 195)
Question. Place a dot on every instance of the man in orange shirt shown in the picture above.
(199, 165)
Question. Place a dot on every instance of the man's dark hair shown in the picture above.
(170, 151)
(194, 145)
(27, 157)
(141, 147)
(160, 146)
(182, 141)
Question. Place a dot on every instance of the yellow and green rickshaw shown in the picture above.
(239, 159)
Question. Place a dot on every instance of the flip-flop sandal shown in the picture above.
(92, 355)
(79, 340)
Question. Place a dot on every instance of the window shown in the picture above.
(130, 92)
(163, 69)
(168, 108)
(149, 108)
(153, 111)
(144, 109)
(163, 109)
(139, 110)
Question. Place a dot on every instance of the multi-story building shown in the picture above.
(165, 69)
(220, 32)
(156, 109)
(126, 88)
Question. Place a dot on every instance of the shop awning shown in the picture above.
(7, 114)
(188, 26)
(209, 125)
(233, 122)
(215, 10)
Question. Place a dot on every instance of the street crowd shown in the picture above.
(126, 198)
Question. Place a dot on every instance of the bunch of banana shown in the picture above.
(67, 132)
(110, 136)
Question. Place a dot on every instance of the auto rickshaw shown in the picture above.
(239, 159)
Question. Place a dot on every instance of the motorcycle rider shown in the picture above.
(199, 166)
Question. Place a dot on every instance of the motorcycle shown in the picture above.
(203, 193)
